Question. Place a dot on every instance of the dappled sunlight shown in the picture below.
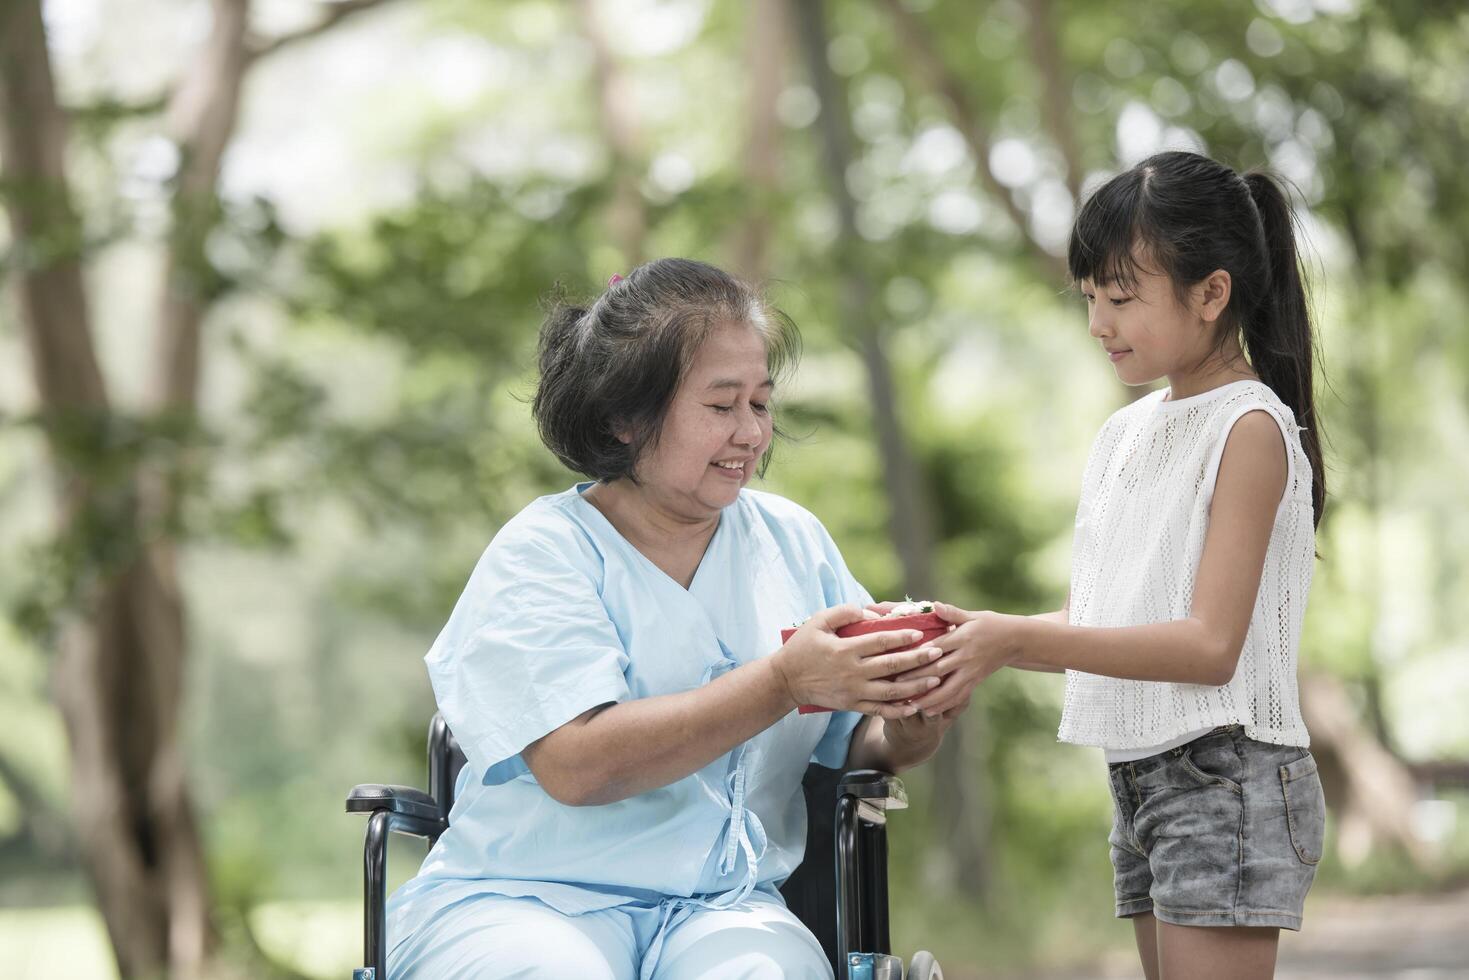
(272, 290)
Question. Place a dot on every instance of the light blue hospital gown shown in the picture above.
(563, 614)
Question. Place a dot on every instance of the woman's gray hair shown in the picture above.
(615, 365)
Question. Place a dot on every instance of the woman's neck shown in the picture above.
(673, 541)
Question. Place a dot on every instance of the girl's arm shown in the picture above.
(1063, 616)
(1204, 648)
(613, 752)
(1058, 616)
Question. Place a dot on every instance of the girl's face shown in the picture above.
(717, 427)
(1147, 332)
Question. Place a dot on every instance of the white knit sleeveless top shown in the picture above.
(1140, 529)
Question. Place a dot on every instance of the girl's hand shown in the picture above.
(849, 673)
(979, 644)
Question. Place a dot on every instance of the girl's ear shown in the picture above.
(1211, 295)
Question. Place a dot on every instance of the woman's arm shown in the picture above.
(893, 745)
(617, 751)
(1203, 648)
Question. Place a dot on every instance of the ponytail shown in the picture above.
(1192, 216)
(1278, 338)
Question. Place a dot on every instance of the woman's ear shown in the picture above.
(1211, 296)
(621, 432)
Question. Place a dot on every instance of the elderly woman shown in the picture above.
(613, 670)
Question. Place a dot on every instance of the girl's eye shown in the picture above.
(1120, 302)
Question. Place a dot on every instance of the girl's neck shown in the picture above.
(1219, 368)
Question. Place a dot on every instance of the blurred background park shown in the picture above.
(273, 272)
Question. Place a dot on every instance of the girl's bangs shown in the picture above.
(1108, 259)
(1105, 238)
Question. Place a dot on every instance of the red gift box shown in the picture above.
(928, 623)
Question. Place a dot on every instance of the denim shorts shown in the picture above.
(1220, 831)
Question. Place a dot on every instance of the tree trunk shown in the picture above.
(53, 304)
(627, 217)
(960, 812)
(1373, 790)
(118, 684)
(908, 524)
(765, 52)
(118, 673)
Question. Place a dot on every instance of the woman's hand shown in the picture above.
(980, 644)
(919, 734)
(849, 674)
(895, 744)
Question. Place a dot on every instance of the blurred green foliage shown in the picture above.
(365, 429)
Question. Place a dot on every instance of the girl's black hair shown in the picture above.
(1185, 216)
(615, 364)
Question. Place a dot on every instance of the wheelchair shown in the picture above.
(840, 891)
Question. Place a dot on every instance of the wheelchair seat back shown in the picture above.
(445, 759)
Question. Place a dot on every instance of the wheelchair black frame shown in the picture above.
(857, 886)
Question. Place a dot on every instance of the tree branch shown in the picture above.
(201, 120)
(925, 59)
(258, 48)
(107, 110)
(1050, 65)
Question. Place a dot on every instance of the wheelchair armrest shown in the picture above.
(872, 788)
(864, 797)
(404, 801)
(390, 810)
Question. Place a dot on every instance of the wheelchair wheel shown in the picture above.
(924, 967)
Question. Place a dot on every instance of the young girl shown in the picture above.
(1193, 554)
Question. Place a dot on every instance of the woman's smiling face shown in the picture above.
(717, 428)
